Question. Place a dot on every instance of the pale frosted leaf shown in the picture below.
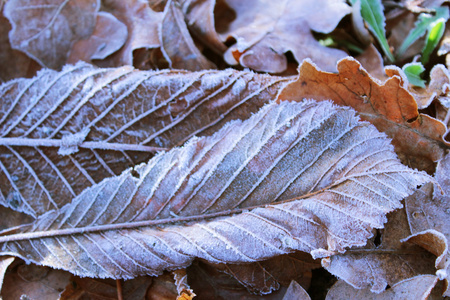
(428, 211)
(142, 24)
(295, 176)
(378, 265)
(418, 287)
(107, 120)
(109, 35)
(46, 29)
(296, 292)
(265, 30)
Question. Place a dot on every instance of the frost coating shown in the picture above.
(295, 176)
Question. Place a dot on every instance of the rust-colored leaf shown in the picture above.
(418, 138)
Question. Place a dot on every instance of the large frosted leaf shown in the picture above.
(105, 121)
(296, 176)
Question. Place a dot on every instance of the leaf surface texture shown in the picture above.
(295, 176)
(62, 132)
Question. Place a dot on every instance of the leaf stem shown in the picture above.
(27, 142)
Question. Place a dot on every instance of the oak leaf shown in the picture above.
(418, 138)
(265, 31)
(295, 176)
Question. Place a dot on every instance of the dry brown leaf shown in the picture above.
(162, 288)
(84, 100)
(105, 289)
(383, 263)
(199, 16)
(28, 281)
(142, 23)
(234, 190)
(429, 219)
(5, 261)
(418, 138)
(47, 29)
(400, 31)
(209, 283)
(418, 287)
(109, 36)
(372, 61)
(14, 63)
(438, 88)
(265, 30)
(267, 276)
(176, 42)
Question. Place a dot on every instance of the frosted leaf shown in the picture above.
(253, 190)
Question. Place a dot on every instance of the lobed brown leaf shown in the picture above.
(418, 138)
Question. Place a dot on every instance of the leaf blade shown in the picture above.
(302, 214)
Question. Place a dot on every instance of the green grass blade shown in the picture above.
(422, 25)
(372, 13)
(434, 36)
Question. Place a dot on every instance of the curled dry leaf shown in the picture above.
(295, 176)
(107, 120)
(428, 212)
(265, 30)
(176, 42)
(418, 138)
(438, 88)
(378, 265)
(5, 261)
(418, 287)
(109, 35)
(142, 24)
(47, 30)
(199, 15)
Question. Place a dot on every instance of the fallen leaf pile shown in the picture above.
(143, 157)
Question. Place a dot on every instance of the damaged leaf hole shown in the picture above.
(378, 238)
